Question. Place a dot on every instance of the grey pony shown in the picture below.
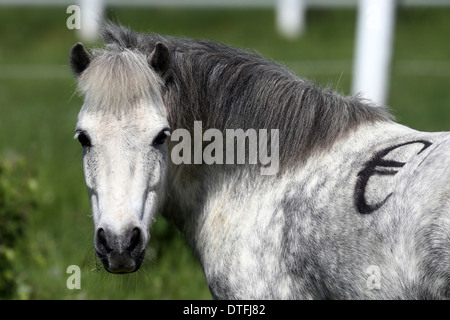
(360, 208)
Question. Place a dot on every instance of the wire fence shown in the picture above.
(424, 68)
(220, 3)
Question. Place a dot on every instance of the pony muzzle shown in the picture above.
(120, 253)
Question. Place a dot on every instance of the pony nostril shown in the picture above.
(135, 239)
(120, 252)
(101, 240)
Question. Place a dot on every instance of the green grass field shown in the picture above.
(38, 110)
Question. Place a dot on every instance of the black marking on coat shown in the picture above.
(385, 167)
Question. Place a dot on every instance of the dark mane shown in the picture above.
(231, 88)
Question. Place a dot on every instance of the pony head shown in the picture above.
(122, 128)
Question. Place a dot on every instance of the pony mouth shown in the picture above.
(121, 262)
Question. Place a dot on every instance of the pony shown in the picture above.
(357, 208)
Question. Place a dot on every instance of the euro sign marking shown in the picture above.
(379, 166)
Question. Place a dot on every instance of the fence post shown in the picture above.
(373, 49)
(91, 17)
(290, 16)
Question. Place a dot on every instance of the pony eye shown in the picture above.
(84, 140)
(161, 137)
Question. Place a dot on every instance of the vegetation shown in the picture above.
(45, 222)
(16, 202)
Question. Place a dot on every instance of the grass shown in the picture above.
(38, 115)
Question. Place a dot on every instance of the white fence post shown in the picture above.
(290, 16)
(375, 27)
(91, 17)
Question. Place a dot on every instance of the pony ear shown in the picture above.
(79, 58)
(159, 59)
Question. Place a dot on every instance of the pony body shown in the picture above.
(360, 208)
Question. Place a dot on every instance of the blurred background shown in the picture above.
(45, 221)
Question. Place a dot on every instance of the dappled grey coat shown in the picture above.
(360, 207)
